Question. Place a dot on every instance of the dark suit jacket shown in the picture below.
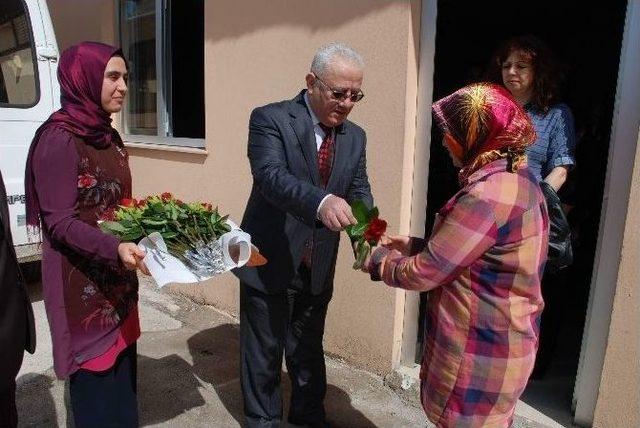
(17, 329)
(281, 211)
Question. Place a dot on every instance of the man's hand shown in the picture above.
(335, 213)
(131, 257)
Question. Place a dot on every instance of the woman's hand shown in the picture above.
(365, 265)
(397, 242)
(131, 257)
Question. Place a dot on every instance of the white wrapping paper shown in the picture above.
(167, 269)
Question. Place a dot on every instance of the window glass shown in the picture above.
(138, 26)
(18, 70)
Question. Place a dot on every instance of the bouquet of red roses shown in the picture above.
(193, 232)
(367, 232)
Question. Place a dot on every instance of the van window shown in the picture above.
(18, 84)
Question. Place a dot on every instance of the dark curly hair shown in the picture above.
(547, 77)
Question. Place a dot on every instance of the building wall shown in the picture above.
(618, 402)
(260, 54)
(75, 21)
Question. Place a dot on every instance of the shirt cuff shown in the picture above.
(564, 161)
(320, 205)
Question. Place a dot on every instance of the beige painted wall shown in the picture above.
(618, 402)
(75, 21)
(259, 55)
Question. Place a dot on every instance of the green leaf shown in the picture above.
(373, 213)
(360, 211)
(113, 227)
(168, 235)
(356, 230)
(131, 236)
(362, 252)
(152, 222)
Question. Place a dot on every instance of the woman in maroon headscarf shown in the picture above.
(76, 170)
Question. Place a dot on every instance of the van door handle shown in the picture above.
(47, 54)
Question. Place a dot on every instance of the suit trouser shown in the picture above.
(11, 356)
(8, 411)
(291, 322)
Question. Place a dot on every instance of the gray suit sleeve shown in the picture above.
(360, 188)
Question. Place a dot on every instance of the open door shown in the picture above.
(456, 44)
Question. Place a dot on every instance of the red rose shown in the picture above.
(86, 181)
(375, 230)
(109, 215)
(166, 196)
(129, 203)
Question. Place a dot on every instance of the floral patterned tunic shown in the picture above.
(87, 293)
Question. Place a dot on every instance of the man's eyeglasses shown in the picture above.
(341, 94)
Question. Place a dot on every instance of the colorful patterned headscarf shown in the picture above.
(484, 124)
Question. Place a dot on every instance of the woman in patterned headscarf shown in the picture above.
(483, 263)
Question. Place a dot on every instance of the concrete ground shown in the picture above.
(188, 376)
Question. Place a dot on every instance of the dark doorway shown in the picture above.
(586, 38)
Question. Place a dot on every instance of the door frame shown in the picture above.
(622, 149)
(428, 17)
(623, 142)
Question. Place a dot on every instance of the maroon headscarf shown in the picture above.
(80, 73)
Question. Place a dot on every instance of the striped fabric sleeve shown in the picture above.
(465, 233)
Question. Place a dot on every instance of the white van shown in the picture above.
(29, 93)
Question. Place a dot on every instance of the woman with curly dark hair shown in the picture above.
(526, 67)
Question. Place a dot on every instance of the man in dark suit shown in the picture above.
(308, 164)
(17, 330)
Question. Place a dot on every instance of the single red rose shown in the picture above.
(166, 196)
(109, 215)
(86, 181)
(375, 230)
(129, 203)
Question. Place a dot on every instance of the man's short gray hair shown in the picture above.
(325, 56)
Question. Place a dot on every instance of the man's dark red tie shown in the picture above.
(325, 163)
(325, 155)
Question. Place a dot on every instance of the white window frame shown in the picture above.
(163, 75)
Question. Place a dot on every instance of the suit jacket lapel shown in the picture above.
(340, 155)
(302, 126)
